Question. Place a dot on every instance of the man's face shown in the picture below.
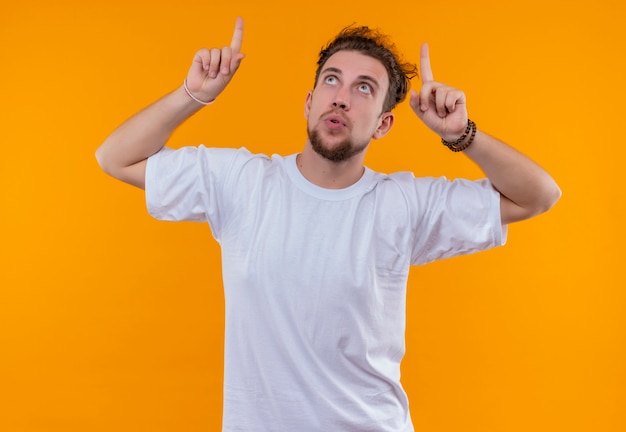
(344, 111)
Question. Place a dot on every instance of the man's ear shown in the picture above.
(307, 103)
(386, 122)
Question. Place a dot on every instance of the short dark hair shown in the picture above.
(373, 43)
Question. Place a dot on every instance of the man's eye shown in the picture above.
(330, 80)
(365, 88)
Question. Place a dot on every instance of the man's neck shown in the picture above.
(328, 174)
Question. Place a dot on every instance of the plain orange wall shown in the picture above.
(112, 321)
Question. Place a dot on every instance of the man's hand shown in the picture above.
(526, 189)
(212, 69)
(442, 108)
(125, 152)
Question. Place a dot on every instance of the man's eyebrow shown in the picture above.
(337, 71)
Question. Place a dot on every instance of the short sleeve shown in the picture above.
(186, 184)
(455, 218)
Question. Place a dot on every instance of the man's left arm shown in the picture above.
(526, 189)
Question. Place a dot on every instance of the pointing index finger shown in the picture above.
(237, 40)
(427, 73)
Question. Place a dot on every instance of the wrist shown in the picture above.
(464, 141)
(192, 96)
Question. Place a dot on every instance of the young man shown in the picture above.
(316, 247)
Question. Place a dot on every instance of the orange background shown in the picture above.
(112, 321)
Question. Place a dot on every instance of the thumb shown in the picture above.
(414, 102)
(236, 61)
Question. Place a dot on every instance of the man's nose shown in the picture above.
(341, 100)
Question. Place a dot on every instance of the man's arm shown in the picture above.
(526, 188)
(125, 152)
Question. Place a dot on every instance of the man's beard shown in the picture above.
(340, 152)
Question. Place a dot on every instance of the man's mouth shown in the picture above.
(334, 122)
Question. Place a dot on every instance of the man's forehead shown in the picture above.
(357, 63)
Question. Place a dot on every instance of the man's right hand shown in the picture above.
(212, 69)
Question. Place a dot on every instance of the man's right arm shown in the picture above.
(124, 153)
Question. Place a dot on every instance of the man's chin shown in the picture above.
(336, 152)
(334, 148)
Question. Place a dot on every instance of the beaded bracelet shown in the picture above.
(195, 98)
(457, 146)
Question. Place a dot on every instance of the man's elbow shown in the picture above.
(102, 160)
(108, 162)
(542, 201)
(132, 174)
(549, 198)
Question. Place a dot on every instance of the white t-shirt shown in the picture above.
(315, 279)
